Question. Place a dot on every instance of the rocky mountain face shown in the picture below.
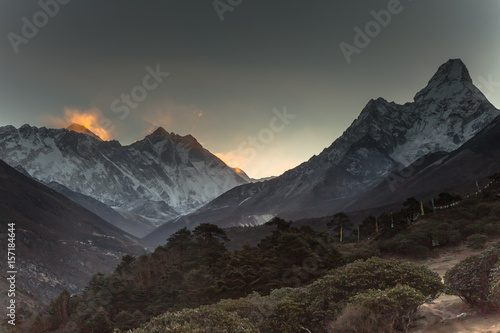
(59, 244)
(458, 171)
(157, 178)
(385, 137)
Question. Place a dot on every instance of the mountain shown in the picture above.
(82, 129)
(158, 178)
(59, 244)
(384, 138)
(457, 171)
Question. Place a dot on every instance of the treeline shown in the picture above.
(474, 221)
(193, 268)
(419, 227)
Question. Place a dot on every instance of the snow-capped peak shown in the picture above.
(452, 71)
(82, 129)
(451, 79)
(160, 134)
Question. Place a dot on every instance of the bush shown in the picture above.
(446, 234)
(492, 228)
(99, 323)
(327, 297)
(398, 301)
(477, 241)
(494, 293)
(470, 279)
(200, 320)
(387, 310)
(257, 308)
(356, 320)
(125, 320)
(361, 251)
(411, 244)
(288, 318)
(481, 210)
(495, 210)
(472, 229)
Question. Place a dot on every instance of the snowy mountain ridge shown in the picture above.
(446, 113)
(160, 177)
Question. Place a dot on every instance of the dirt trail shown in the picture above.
(448, 314)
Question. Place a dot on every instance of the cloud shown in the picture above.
(89, 118)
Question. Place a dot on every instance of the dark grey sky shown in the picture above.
(226, 77)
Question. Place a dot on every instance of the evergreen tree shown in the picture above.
(340, 223)
(99, 323)
(60, 309)
(124, 265)
(385, 226)
(281, 225)
(210, 241)
(244, 273)
(412, 207)
(368, 226)
(179, 243)
(445, 198)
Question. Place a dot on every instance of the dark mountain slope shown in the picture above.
(59, 244)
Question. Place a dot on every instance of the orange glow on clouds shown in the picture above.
(88, 118)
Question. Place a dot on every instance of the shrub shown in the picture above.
(492, 228)
(481, 210)
(472, 228)
(326, 297)
(287, 318)
(470, 279)
(99, 323)
(256, 308)
(495, 210)
(398, 301)
(200, 320)
(446, 234)
(411, 244)
(494, 293)
(387, 310)
(125, 320)
(477, 241)
(361, 251)
(356, 320)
